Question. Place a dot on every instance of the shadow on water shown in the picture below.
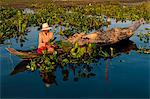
(124, 46)
(20, 67)
(81, 71)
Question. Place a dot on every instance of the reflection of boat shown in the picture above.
(122, 47)
(21, 67)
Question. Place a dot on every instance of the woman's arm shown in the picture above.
(51, 35)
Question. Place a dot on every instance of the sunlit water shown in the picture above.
(125, 76)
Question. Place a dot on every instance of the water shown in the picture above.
(124, 76)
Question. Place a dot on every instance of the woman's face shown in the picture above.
(46, 31)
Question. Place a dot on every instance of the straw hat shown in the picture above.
(45, 26)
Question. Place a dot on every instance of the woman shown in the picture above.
(44, 37)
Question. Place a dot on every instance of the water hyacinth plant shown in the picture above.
(75, 55)
(73, 19)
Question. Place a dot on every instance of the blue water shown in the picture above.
(124, 76)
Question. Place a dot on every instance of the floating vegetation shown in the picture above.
(73, 19)
(147, 28)
(144, 37)
(144, 50)
(14, 25)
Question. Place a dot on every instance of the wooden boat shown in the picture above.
(102, 38)
(23, 54)
(106, 37)
(28, 54)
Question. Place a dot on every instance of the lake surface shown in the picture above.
(124, 76)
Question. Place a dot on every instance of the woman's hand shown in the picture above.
(46, 43)
(49, 45)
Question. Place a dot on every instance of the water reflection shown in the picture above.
(48, 78)
(106, 70)
(20, 67)
(77, 71)
(122, 47)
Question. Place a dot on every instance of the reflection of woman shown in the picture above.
(48, 78)
(44, 37)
